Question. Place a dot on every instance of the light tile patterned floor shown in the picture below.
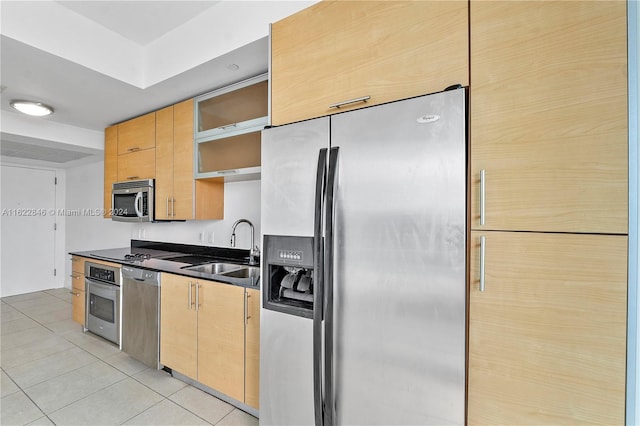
(51, 373)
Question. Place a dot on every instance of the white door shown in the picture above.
(27, 203)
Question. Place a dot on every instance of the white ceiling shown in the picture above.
(98, 63)
(139, 21)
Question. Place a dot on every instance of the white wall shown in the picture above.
(84, 190)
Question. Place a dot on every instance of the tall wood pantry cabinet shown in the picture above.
(548, 280)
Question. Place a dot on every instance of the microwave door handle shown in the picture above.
(137, 204)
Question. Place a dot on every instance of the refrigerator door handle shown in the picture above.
(332, 180)
(318, 297)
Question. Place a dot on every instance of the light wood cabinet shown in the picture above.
(164, 164)
(137, 165)
(168, 160)
(137, 134)
(78, 290)
(203, 332)
(547, 336)
(221, 338)
(178, 324)
(548, 107)
(110, 166)
(176, 189)
(548, 135)
(129, 154)
(336, 51)
(252, 349)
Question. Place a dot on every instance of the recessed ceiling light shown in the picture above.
(32, 108)
(233, 67)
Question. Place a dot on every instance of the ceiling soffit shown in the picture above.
(221, 28)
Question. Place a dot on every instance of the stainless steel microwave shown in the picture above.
(132, 201)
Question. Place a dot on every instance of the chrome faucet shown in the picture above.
(254, 252)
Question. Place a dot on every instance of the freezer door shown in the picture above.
(399, 262)
(289, 167)
(289, 160)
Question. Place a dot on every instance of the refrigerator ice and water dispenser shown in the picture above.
(288, 274)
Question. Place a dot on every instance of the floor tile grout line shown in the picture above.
(25, 394)
(87, 395)
(66, 372)
(98, 358)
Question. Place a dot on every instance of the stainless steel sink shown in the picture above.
(245, 272)
(228, 272)
(214, 268)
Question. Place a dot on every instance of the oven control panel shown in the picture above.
(106, 274)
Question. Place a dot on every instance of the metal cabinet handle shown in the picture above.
(350, 101)
(482, 196)
(483, 247)
(190, 297)
(132, 149)
(173, 207)
(246, 307)
(75, 294)
(228, 126)
(167, 207)
(197, 296)
(132, 177)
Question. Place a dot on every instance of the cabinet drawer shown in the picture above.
(77, 265)
(77, 281)
(137, 165)
(78, 306)
(137, 134)
(336, 51)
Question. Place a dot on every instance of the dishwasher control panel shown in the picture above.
(139, 274)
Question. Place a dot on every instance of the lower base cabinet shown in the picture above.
(221, 337)
(77, 290)
(252, 349)
(547, 336)
(202, 329)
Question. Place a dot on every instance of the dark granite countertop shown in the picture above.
(185, 255)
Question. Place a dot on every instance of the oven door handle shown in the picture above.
(138, 204)
(101, 286)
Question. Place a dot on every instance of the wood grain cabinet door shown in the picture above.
(336, 51)
(221, 337)
(183, 182)
(252, 349)
(137, 165)
(137, 134)
(174, 190)
(164, 163)
(78, 301)
(547, 336)
(548, 107)
(110, 166)
(178, 324)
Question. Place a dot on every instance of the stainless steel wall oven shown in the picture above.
(102, 284)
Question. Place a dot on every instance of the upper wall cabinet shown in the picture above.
(340, 55)
(137, 134)
(548, 109)
(228, 126)
(159, 146)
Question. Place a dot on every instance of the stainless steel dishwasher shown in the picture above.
(141, 315)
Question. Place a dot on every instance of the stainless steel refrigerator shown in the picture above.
(363, 317)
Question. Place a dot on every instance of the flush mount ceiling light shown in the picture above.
(37, 109)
